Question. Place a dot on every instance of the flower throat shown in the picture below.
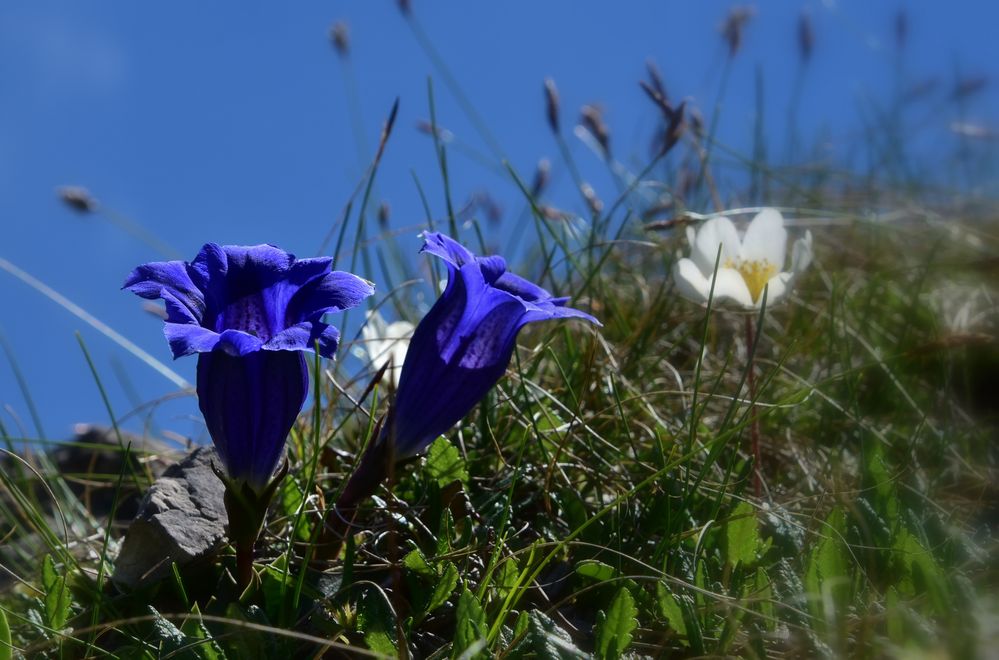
(755, 272)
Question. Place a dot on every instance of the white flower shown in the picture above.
(383, 342)
(747, 265)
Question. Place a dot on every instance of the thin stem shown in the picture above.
(754, 423)
(244, 562)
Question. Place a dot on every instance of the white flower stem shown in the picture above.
(754, 422)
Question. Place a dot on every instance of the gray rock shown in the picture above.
(181, 519)
(93, 460)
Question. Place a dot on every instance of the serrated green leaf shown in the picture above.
(416, 562)
(921, 571)
(520, 628)
(201, 640)
(470, 624)
(827, 579)
(376, 622)
(669, 609)
(759, 589)
(543, 638)
(505, 577)
(444, 587)
(275, 582)
(57, 595)
(614, 628)
(169, 638)
(444, 463)
(742, 536)
(596, 570)
(6, 647)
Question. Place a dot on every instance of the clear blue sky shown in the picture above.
(231, 122)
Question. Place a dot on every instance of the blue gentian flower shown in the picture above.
(250, 313)
(464, 344)
(459, 350)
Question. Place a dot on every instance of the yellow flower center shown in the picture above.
(755, 273)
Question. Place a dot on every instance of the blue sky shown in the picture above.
(234, 122)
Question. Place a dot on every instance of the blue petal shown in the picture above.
(250, 404)
(152, 280)
(186, 338)
(522, 288)
(237, 342)
(303, 337)
(334, 292)
(492, 267)
(555, 312)
(446, 248)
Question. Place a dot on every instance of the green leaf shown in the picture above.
(742, 536)
(197, 634)
(759, 590)
(505, 577)
(597, 570)
(275, 582)
(920, 571)
(827, 579)
(6, 647)
(443, 587)
(57, 595)
(613, 629)
(669, 609)
(376, 621)
(444, 464)
(169, 636)
(543, 638)
(416, 562)
(470, 624)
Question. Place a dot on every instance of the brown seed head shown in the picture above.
(551, 104)
(384, 212)
(733, 26)
(901, 29)
(592, 120)
(966, 87)
(340, 37)
(541, 176)
(594, 202)
(443, 134)
(77, 198)
(552, 213)
(806, 36)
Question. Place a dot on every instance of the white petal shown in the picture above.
(714, 232)
(690, 282)
(374, 326)
(766, 239)
(729, 285)
(801, 254)
(399, 330)
(778, 286)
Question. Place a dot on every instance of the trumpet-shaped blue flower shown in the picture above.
(464, 344)
(249, 312)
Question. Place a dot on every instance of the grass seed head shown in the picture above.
(340, 38)
(77, 198)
